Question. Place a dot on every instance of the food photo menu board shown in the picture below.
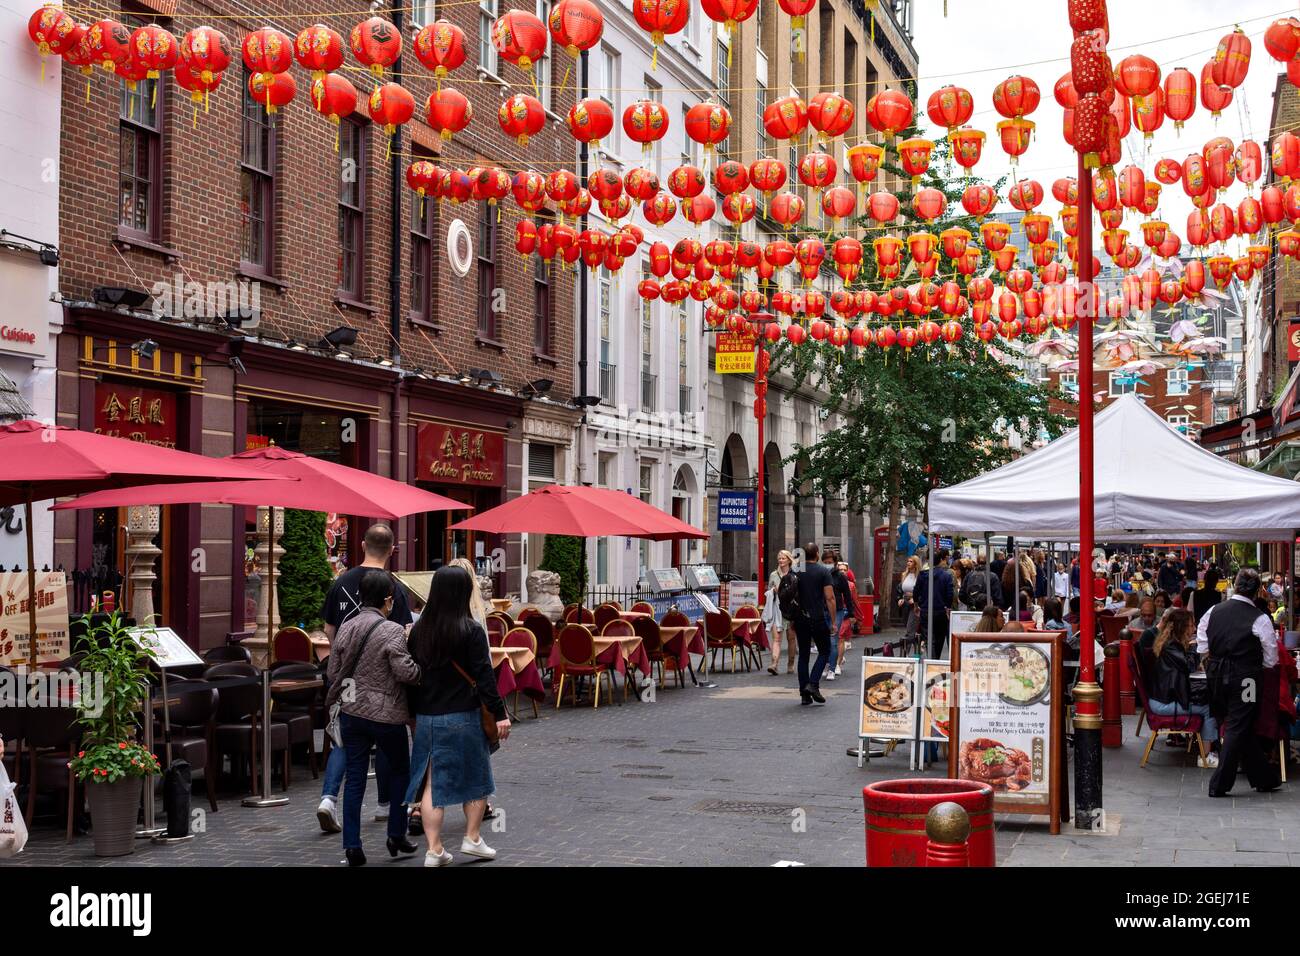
(889, 699)
(1005, 725)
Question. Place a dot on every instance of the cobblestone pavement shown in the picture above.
(737, 774)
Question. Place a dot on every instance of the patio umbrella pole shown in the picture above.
(266, 800)
(31, 580)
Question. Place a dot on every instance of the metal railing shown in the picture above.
(608, 383)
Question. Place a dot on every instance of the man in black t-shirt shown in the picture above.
(816, 608)
(341, 603)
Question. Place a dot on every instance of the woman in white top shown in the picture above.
(905, 603)
(777, 625)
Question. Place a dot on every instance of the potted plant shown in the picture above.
(112, 762)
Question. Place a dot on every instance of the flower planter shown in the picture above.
(114, 809)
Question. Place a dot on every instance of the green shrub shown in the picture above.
(304, 570)
(567, 557)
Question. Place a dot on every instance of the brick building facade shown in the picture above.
(293, 221)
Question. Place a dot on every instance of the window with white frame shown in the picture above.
(724, 69)
(1179, 421)
(645, 491)
(690, 148)
(760, 106)
(487, 53)
(1176, 381)
(605, 306)
(1069, 381)
(1122, 383)
(611, 74)
(685, 398)
(424, 12)
(649, 381)
(655, 93)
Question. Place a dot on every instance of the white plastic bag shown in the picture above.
(13, 831)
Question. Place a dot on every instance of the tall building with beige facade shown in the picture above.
(856, 49)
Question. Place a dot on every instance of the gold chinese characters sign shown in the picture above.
(451, 454)
(140, 414)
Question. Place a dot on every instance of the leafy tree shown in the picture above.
(936, 415)
(567, 557)
(305, 575)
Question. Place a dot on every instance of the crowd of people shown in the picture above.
(412, 689)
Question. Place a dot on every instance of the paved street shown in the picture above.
(725, 776)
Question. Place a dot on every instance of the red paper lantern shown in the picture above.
(1025, 194)
(1018, 96)
(1065, 93)
(54, 31)
(267, 51)
(929, 204)
(440, 46)
(205, 51)
(562, 186)
(708, 124)
(830, 114)
(967, 145)
(889, 111)
(529, 189)
(1014, 135)
(519, 38)
(686, 182)
(699, 209)
(390, 106)
(730, 13)
(995, 234)
(838, 203)
(786, 209)
(488, 183)
(785, 118)
(914, 157)
(730, 177)
(448, 112)
(156, 49)
(334, 97)
(1137, 75)
(738, 208)
(319, 49)
(590, 120)
(109, 43)
(192, 82)
(274, 90)
(1170, 246)
(576, 25)
(522, 116)
(376, 44)
(1231, 60)
(1249, 162)
(1214, 97)
(1272, 205)
(767, 175)
(1218, 154)
(950, 107)
(817, 170)
(604, 184)
(1090, 69)
(864, 161)
(1180, 96)
(882, 207)
(978, 199)
(1149, 112)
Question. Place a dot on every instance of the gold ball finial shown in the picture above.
(1111, 649)
(947, 823)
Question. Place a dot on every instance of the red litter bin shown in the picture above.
(895, 819)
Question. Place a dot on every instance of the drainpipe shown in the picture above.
(395, 296)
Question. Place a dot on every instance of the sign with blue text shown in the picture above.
(736, 510)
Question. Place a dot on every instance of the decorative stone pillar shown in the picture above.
(268, 545)
(142, 525)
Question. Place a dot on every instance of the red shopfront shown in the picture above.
(476, 462)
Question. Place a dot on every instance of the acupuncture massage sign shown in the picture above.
(1005, 727)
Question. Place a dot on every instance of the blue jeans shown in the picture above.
(359, 735)
(337, 762)
(834, 627)
(1209, 726)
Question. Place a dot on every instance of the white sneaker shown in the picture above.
(839, 669)
(327, 814)
(830, 675)
(381, 813)
(1211, 761)
(848, 645)
(479, 849)
(435, 859)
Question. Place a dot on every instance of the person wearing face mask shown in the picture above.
(368, 665)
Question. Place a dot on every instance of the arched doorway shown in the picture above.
(775, 507)
(685, 489)
(735, 549)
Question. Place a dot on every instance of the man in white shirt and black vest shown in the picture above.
(1241, 643)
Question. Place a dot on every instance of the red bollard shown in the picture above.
(896, 813)
(947, 830)
(1112, 728)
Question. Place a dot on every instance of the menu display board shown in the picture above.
(1005, 728)
(937, 693)
(169, 648)
(52, 637)
(665, 579)
(888, 701)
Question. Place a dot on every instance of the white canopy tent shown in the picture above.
(1150, 484)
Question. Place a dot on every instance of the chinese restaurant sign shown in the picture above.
(461, 456)
(51, 617)
(145, 415)
(734, 352)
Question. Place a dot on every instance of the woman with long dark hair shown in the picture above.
(450, 758)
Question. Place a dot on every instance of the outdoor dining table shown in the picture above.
(522, 674)
(633, 615)
(755, 634)
(615, 652)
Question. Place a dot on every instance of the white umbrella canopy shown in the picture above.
(1150, 483)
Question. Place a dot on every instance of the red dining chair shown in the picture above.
(652, 641)
(604, 614)
(579, 615)
(718, 637)
(496, 629)
(675, 618)
(1164, 726)
(619, 627)
(292, 644)
(568, 610)
(577, 660)
(749, 636)
(643, 607)
(521, 637)
(542, 628)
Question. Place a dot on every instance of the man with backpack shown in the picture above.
(940, 603)
(814, 606)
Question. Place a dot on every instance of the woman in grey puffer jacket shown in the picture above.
(368, 665)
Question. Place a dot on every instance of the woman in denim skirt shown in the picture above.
(450, 756)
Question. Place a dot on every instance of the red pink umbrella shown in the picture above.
(582, 512)
(39, 461)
